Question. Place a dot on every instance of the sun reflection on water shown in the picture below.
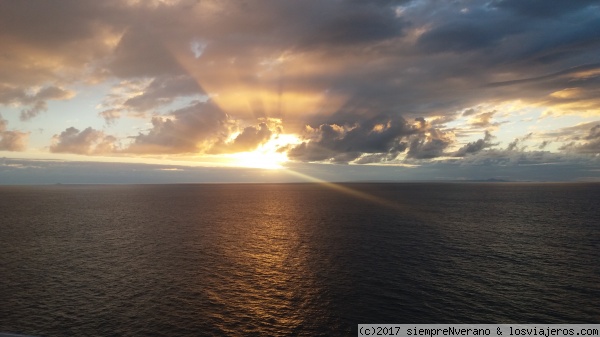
(274, 282)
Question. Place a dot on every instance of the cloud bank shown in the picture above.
(405, 82)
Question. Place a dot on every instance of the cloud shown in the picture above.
(515, 143)
(110, 115)
(247, 140)
(36, 109)
(461, 37)
(431, 59)
(162, 91)
(380, 137)
(575, 132)
(427, 149)
(142, 53)
(594, 133)
(53, 93)
(483, 120)
(469, 112)
(193, 129)
(355, 24)
(39, 101)
(140, 97)
(349, 74)
(12, 140)
(431, 144)
(86, 142)
(589, 144)
(543, 144)
(44, 43)
(476, 146)
(537, 9)
(583, 138)
(36, 102)
(18, 95)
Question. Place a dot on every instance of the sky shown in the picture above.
(132, 91)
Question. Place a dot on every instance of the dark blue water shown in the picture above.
(294, 259)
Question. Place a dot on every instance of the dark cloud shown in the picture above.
(86, 142)
(429, 145)
(36, 109)
(380, 137)
(163, 90)
(463, 36)
(354, 71)
(192, 129)
(54, 24)
(555, 75)
(379, 158)
(357, 23)
(543, 144)
(513, 145)
(249, 139)
(576, 132)
(496, 43)
(547, 8)
(469, 112)
(45, 42)
(52, 93)
(19, 95)
(36, 102)
(379, 71)
(594, 133)
(427, 149)
(428, 142)
(589, 144)
(476, 146)
(141, 52)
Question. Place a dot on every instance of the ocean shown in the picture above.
(294, 259)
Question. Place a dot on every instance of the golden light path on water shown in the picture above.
(269, 157)
(349, 191)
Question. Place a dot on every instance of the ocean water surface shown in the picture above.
(294, 259)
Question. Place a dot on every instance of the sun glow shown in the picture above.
(271, 155)
(260, 159)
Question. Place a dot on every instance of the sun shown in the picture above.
(268, 155)
(260, 159)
